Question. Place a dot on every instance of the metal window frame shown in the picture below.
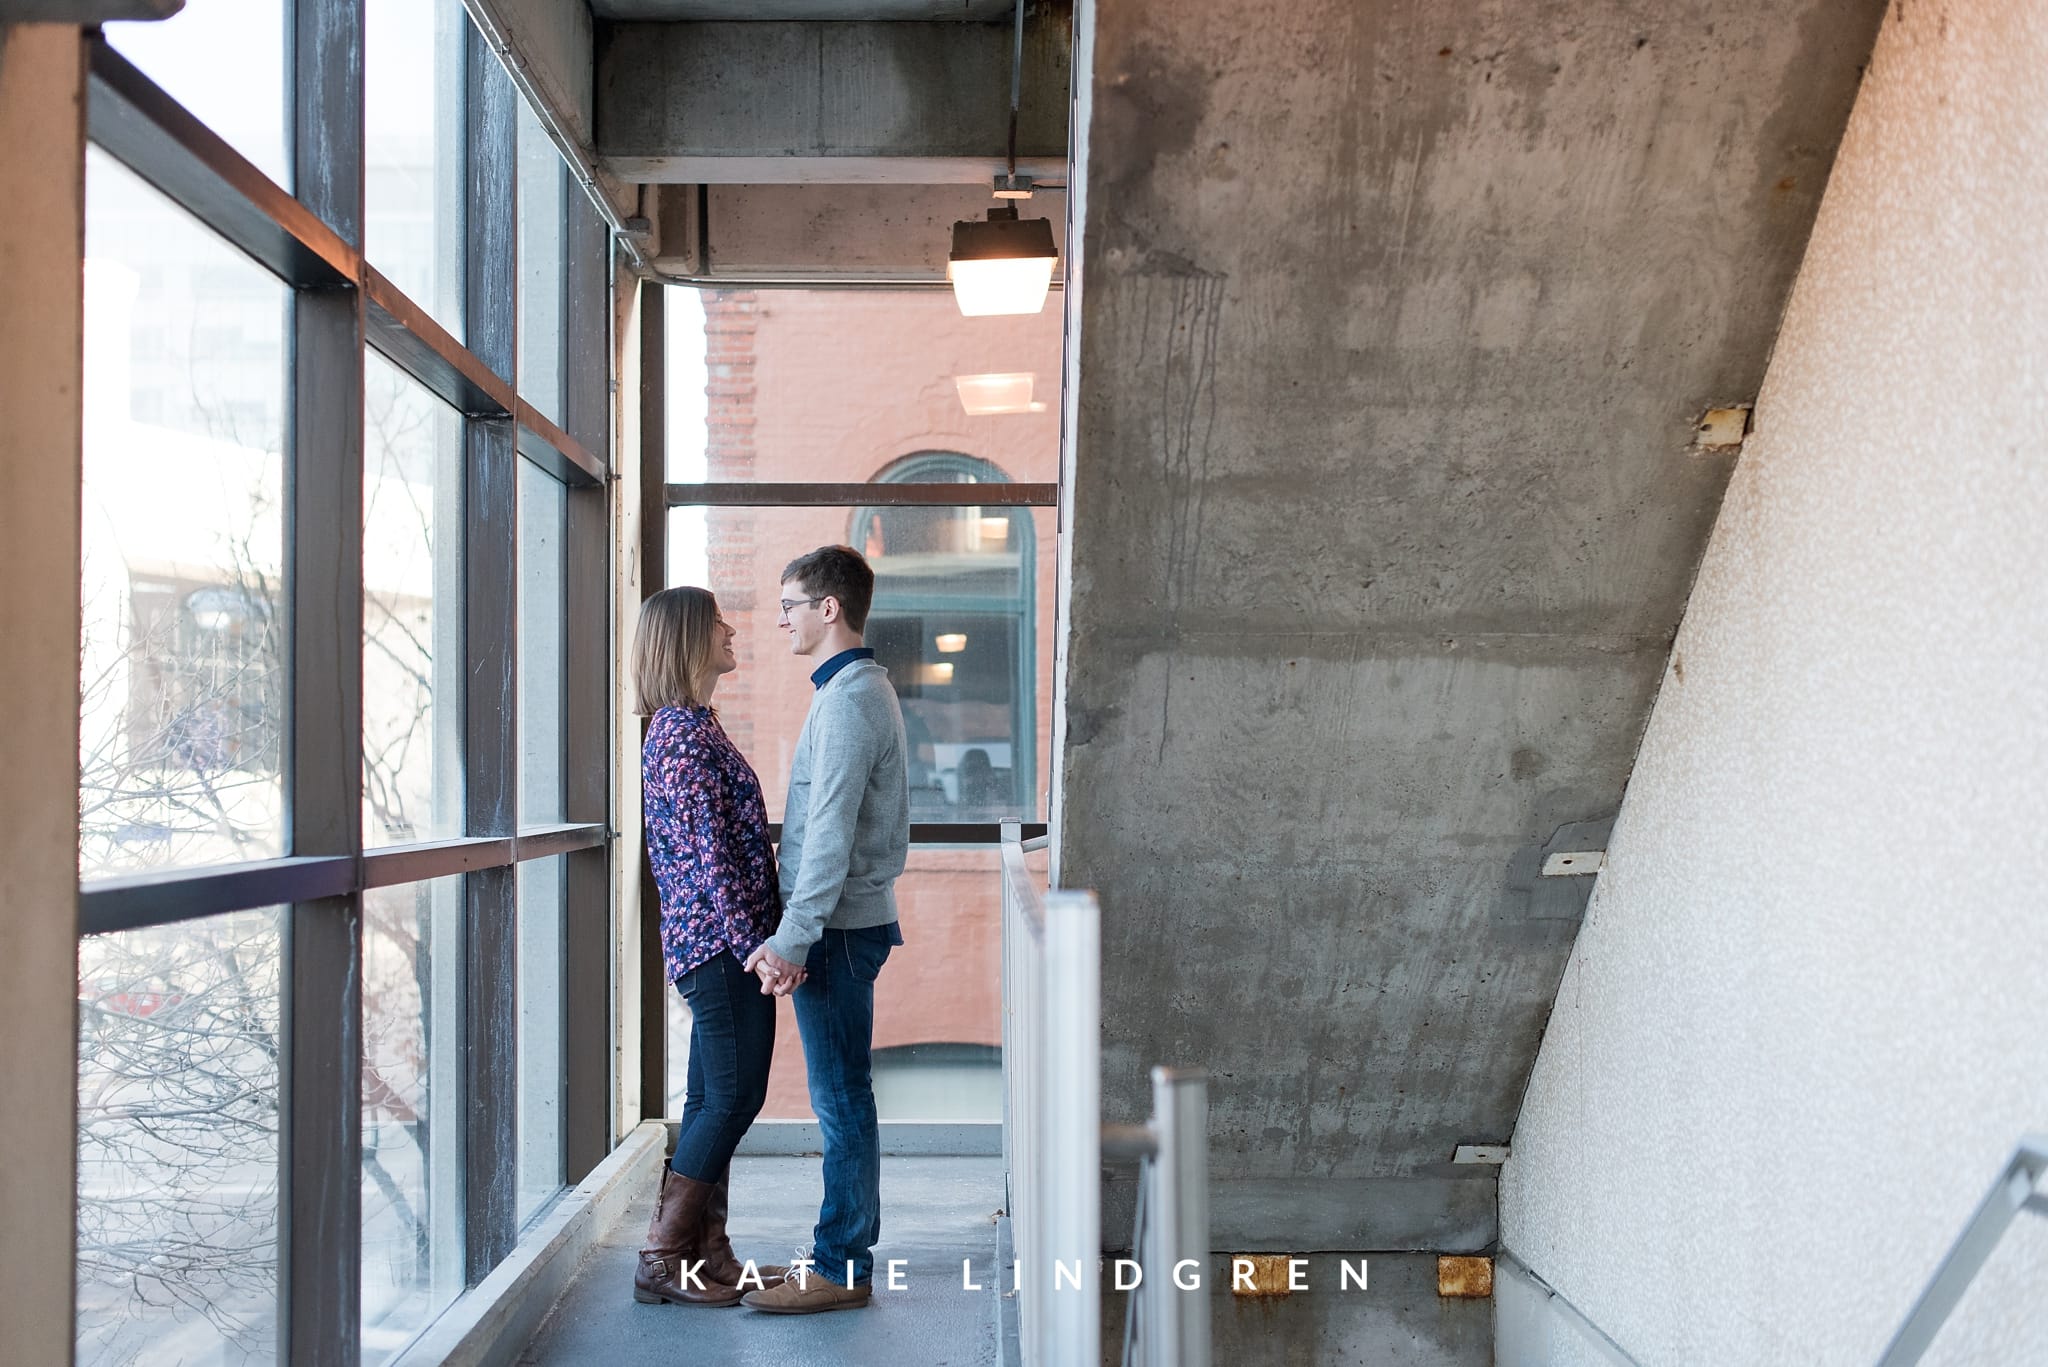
(301, 239)
(490, 642)
(320, 1129)
(340, 306)
(653, 554)
(658, 496)
(587, 369)
(1020, 609)
(877, 495)
(737, 494)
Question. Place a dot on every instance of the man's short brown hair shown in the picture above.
(836, 572)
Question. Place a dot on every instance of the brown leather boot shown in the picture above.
(720, 1263)
(672, 1265)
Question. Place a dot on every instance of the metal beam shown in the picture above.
(159, 898)
(587, 1052)
(905, 103)
(831, 234)
(952, 833)
(397, 864)
(654, 985)
(320, 1156)
(490, 704)
(421, 347)
(876, 495)
(158, 139)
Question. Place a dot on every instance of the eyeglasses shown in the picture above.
(789, 603)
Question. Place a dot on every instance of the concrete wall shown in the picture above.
(1394, 324)
(42, 171)
(1805, 1022)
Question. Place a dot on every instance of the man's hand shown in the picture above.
(779, 977)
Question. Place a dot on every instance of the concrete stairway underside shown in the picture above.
(1397, 322)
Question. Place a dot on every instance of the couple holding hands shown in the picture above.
(736, 932)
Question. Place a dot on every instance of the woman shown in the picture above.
(707, 838)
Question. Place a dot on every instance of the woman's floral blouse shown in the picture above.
(707, 838)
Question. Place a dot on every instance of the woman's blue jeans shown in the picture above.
(732, 1042)
(835, 1010)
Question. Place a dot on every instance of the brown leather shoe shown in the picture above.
(672, 1265)
(720, 1263)
(806, 1295)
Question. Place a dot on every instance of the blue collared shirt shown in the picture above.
(822, 675)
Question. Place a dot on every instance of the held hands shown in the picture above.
(779, 977)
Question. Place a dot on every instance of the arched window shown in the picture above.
(953, 624)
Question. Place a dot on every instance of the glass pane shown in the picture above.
(835, 386)
(412, 1117)
(413, 191)
(957, 621)
(677, 1016)
(938, 1005)
(542, 883)
(542, 270)
(187, 55)
(412, 618)
(543, 515)
(178, 1032)
(182, 684)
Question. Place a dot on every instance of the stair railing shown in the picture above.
(2014, 1191)
(1054, 1145)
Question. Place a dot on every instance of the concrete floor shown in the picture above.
(935, 1211)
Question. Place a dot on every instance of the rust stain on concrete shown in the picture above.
(1468, 1278)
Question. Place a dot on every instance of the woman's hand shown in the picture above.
(779, 977)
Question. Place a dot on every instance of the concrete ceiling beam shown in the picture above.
(837, 233)
(957, 11)
(883, 102)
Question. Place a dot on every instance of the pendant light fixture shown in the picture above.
(1004, 265)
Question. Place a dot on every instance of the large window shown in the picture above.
(412, 614)
(341, 534)
(412, 1110)
(183, 708)
(179, 1035)
(188, 55)
(415, 117)
(886, 421)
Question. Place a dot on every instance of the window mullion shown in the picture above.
(320, 1226)
(490, 667)
(586, 694)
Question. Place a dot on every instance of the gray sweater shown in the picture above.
(846, 830)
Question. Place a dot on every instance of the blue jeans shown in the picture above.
(835, 1011)
(732, 1042)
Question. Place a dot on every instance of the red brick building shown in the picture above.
(849, 386)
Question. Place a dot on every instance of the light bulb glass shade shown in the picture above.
(951, 642)
(995, 528)
(1000, 285)
(1008, 392)
(940, 673)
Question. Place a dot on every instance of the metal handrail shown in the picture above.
(1054, 1144)
(1166, 1321)
(2013, 1192)
(1052, 1110)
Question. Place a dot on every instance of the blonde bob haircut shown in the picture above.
(672, 646)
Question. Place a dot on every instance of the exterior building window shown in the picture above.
(239, 378)
(954, 623)
(182, 709)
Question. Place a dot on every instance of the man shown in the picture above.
(845, 836)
